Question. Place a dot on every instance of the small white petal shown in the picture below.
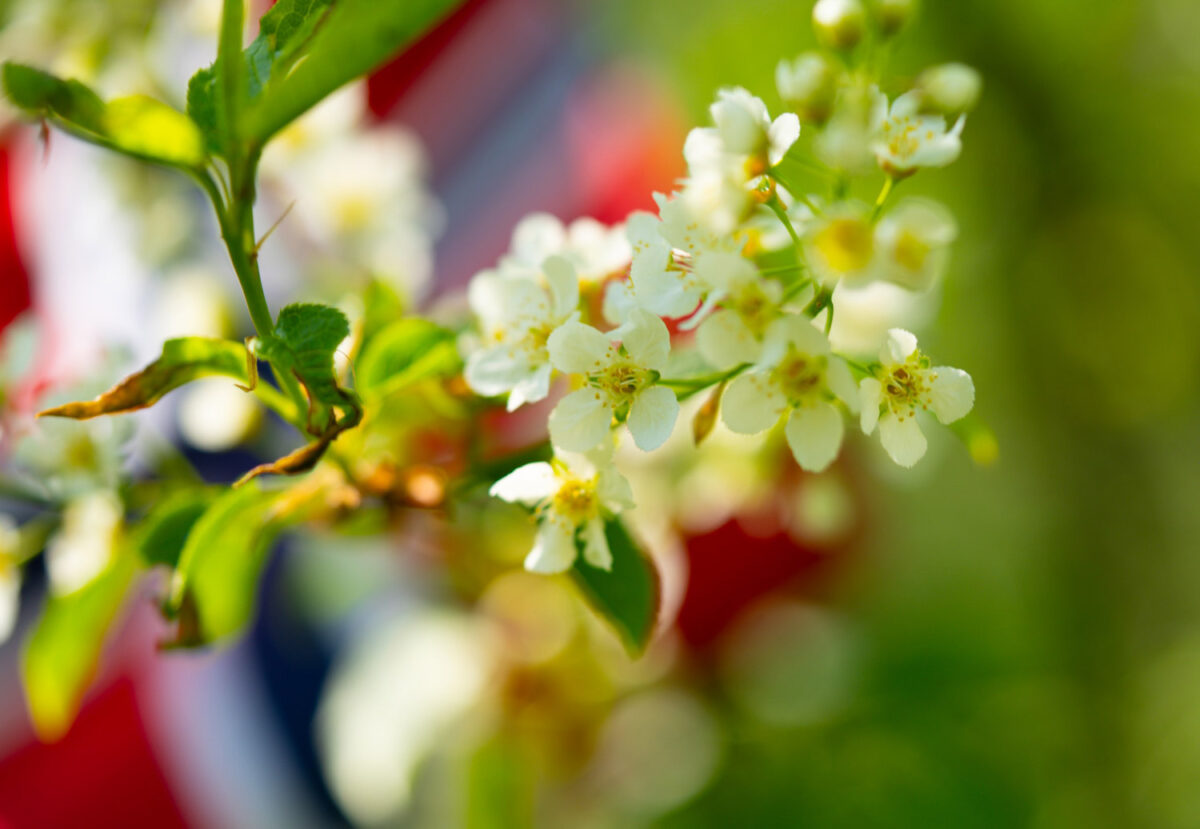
(726, 341)
(580, 421)
(652, 416)
(951, 394)
(526, 484)
(724, 271)
(554, 549)
(564, 285)
(613, 490)
(814, 434)
(576, 348)
(841, 383)
(646, 338)
(907, 105)
(619, 301)
(495, 370)
(902, 439)
(782, 135)
(530, 389)
(751, 404)
(899, 346)
(870, 396)
(595, 545)
(535, 237)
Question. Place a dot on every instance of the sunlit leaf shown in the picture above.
(62, 655)
(627, 596)
(404, 353)
(306, 337)
(160, 536)
(355, 37)
(138, 126)
(222, 559)
(183, 360)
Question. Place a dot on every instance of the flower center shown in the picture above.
(911, 251)
(621, 381)
(846, 245)
(754, 307)
(906, 387)
(575, 500)
(800, 376)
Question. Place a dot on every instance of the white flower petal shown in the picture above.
(870, 396)
(814, 434)
(613, 490)
(652, 416)
(951, 393)
(535, 237)
(782, 135)
(564, 286)
(619, 301)
(576, 348)
(526, 484)
(495, 370)
(841, 383)
(580, 421)
(554, 549)
(723, 271)
(726, 341)
(907, 106)
(751, 403)
(899, 346)
(531, 388)
(646, 338)
(595, 545)
(902, 439)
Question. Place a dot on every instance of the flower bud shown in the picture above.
(808, 85)
(840, 24)
(949, 89)
(893, 15)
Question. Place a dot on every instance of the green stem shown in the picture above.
(777, 208)
(888, 184)
(688, 386)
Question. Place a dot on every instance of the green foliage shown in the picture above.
(627, 596)
(63, 653)
(222, 558)
(306, 336)
(161, 535)
(351, 40)
(406, 352)
(183, 360)
(136, 126)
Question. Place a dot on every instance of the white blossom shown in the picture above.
(517, 313)
(905, 139)
(86, 542)
(839, 245)
(620, 370)
(799, 378)
(745, 128)
(905, 383)
(596, 250)
(913, 241)
(573, 494)
(746, 304)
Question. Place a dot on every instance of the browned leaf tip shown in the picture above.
(295, 462)
(138, 391)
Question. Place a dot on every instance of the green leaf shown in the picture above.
(222, 558)
(161, 535)
(136, 126)
(306, 336)
(355, 37)
(202, 108)
(404, 353)
(61, 657)
(627, 596)
(183, 360)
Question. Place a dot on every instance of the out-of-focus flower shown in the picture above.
(799, 377)
(620, 369)
(84, 545)
(949, 89)
(808, 84)
(215, 415)
(892, 15)
(839, 24)
(839, 245)
(904, 383)
(906, 140)
(913, 241)
(734, 333)
(745, 128)
(518, 314)
(574, 493)
(595, 250)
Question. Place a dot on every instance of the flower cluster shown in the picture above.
(745, 261)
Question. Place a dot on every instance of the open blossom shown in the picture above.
(574, 493)
(746, 304)
(745, 128)
(904, 384)
(620, 370)
(799, 378)
(839, 245)
(595, 250)
(517, 314)
(905, 139)
(913, 240)
(656, 282)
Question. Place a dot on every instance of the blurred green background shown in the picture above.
(1030, 632)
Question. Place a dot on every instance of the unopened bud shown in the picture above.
(840, 24)
(950, 89)
(893, 15)
(808, 85)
